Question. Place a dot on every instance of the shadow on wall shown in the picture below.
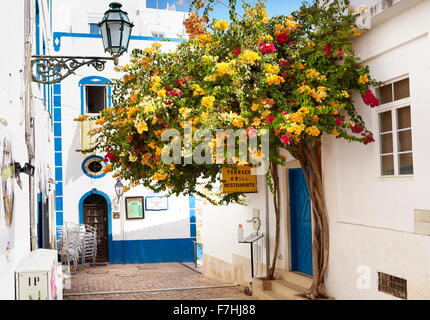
(74, 159)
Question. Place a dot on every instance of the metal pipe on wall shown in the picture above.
(29, 116)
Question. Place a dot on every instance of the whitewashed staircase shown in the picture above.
(293, 286)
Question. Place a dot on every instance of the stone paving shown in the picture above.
(135, 277)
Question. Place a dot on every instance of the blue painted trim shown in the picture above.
(59, 203)
(59, 218)
(58, 159)
(58, 144)
(57, 89)
(152, 251)
(37, 13)
(193, 226)
(88, 174)
(111, 251)
(58, 35)
(95, 80)
(57, 130)
(59, 189)
(39, 221)
(58, 153)
(146, 207)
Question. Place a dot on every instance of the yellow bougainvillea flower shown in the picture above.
(107, 168)
(255, 107)
(141, 126)
(312, 74)
(272, 69)
(296, 129)
(249, 57)
(211, 78)
(335, 133)
(344, 94)
(363, 79)
(296, 117)
(208, 101)
(313, 131)
(275, 79)
(198, 91)
(82, 118)
(161, 93)
(221, 25)
(101, 121)
(132, 158)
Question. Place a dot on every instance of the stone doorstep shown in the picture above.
(264, 289)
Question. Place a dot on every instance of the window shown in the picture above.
(95, 98)
(393, 285)
(395, 129)
(94, 28)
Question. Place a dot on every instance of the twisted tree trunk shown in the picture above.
(276, 202)
(310, 161)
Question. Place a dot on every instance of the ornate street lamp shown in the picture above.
(119, 188)
(116, 32)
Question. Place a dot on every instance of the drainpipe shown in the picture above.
(267, 235)
(29, 116)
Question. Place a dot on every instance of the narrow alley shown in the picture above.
(155, 281)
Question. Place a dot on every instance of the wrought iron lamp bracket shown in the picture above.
(50, 69)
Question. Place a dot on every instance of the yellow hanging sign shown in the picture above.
(238, 180)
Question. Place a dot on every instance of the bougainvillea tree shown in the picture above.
(288, 77)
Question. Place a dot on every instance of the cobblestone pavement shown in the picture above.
(156, 276)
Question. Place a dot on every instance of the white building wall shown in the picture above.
(372, 217)
(12, 116)
(73, 27)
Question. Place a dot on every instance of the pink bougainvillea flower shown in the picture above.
(285, 140)
(110, 157)
(270, 119)
(174, 93)
(370, 99)
(339, 121)
(183, 81)
(267, 47)
(340, 54)
(357, 128)
(285, 112)
(368, 138)
(284, 63)
(283, 39)
(327, 49)
(238, 51)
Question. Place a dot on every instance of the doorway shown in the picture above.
(96, 215)
(300, 222)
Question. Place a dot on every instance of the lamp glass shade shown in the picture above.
(115, 29)
(119, 188)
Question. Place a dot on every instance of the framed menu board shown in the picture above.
(134, 208)
(156, 203)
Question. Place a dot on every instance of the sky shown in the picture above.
(274, 7)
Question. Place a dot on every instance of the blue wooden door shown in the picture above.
(300, 222)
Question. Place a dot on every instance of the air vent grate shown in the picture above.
(392, 285)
